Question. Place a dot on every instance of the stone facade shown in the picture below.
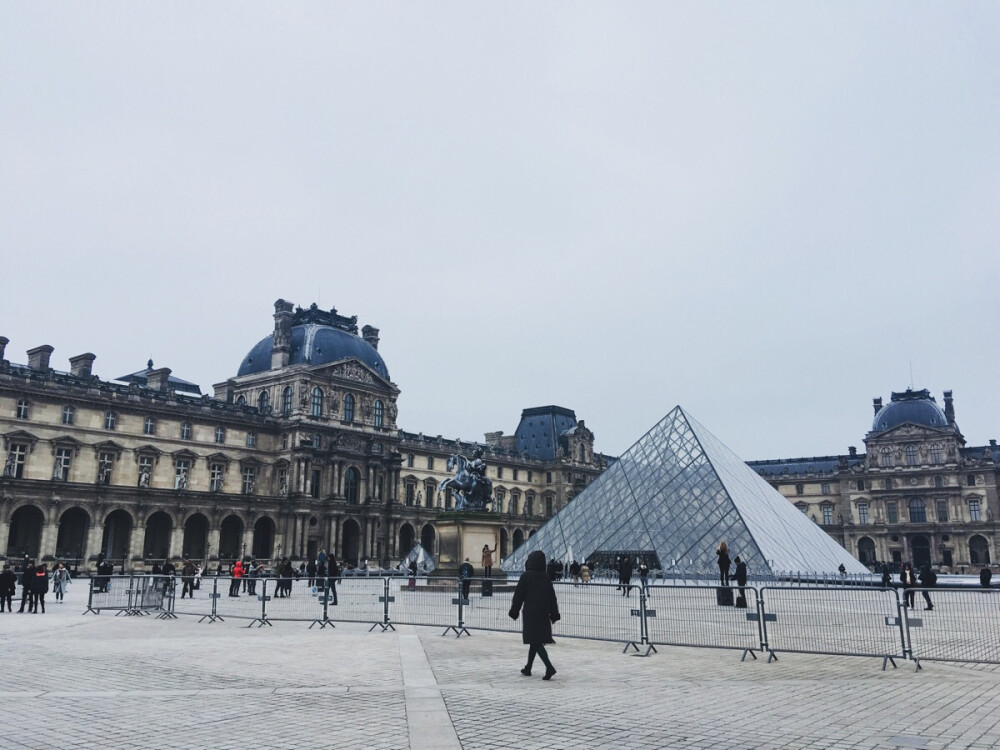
(918, 493)
(294, 455)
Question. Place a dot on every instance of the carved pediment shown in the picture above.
(108, 446)
(218, 458)
(19, 436)
(149, 450)
(66, 441)
(184, 453)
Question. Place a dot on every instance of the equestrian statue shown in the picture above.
(470, 485)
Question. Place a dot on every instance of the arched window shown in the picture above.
(918, 511)
(979, 551)
(379, 410)
(886, 457)
(912, 458)
(936, 454)
(317, 402)
(866, 551)
(241, 400)
(263, 402)
(349, 408)
(286, 401)
(352, 485)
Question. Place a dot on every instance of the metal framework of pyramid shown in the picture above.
(677, 493)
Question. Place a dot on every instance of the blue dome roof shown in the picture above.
(315, 344)
(910, 407)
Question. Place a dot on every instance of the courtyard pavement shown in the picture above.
(100, 681)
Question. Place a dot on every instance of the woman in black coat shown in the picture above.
(535, 592)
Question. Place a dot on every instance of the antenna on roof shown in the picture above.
(911, 374)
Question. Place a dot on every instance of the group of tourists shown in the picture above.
(35, 581)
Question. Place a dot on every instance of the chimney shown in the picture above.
(877, 403)
(993, 443)
(3, 345)
(82, 365)
(157, 379)
(949, 408)
(281, 350)
(370, 334)
(852, 450)
(38, 358)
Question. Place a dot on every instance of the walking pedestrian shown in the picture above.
(187, 579)
(39, 588)
(7, 583)
(252, 574)
(585, 573)
(60, 582)
(928, 579)
(985, 575)
(909, 583)
(488, 560)
(26, 581)
(536, 594)
(333, 571)
(625, 574)
(574, 572)
(465, 572)
(724, 563)
(234, 584)
(643, 573)
(311, 573)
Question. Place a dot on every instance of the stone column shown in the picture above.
(94, 535)
(176, 546)
(214, 534)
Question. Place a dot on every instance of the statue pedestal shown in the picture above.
(462, 535)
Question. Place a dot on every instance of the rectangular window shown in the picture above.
(936, 456)
(249, 479)
(145, 470)
(23, 407)
(970, 480)
(430, 462)
(105, 463)
(185, 430)
(411, 492)
(181, 468)
(68, 414)
(217, 477)
(314, 484)
(974, 510)
(886, 456)
(282, 481)
(825, 488)
(110, 420)
(942, 510)
(863, 513)
(548, 477)
(515, 474)
(149, 426)
(409, 460)
(800, 489)
(861, 485)
(918, 511)
(220, 434)
(61, 469)
(827, 515)
(499, 472)
(14, 465)
(251, 439)
(892, 512)
(530, 475)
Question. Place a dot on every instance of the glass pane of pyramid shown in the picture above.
(675, 495)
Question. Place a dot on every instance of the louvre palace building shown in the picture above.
(299, 452)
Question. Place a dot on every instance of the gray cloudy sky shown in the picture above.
(765, 212)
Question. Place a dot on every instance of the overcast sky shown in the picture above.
(768, 213)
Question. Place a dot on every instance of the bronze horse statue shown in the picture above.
(472, 491)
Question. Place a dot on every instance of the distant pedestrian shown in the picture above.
(585, 573)
(333, 571)
(985, 576)
(252, 574)
(886, 576)
(234, 583)
(60, 582)
(574, 572)
(488, 560)
(537, 595)
(909, 582)
(187, 579)
(928, 580)
(7, 582)
(26, 581)
(625, 575)
(741, 581)
(413, 575)
(465, 572)
(643, 573)
(724, 563)
(39, 588)
(311, 573)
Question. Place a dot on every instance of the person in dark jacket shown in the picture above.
(7, 582)
(27, 578)
(985, 576)
(928, 579)
(333, 571)
(909, 583)
(724, 563)
(625, 574)
(537, 595)
(39, 588)
(465, 572)
(311, 572)
(187, 579)
(741, 577)
(886, 577)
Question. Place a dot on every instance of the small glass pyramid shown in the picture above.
(674, 496)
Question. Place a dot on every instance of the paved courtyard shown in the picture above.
(137, 682)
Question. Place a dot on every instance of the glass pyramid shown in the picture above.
(675, 495)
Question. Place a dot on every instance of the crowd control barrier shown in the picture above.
(691, 616)
(963, 626)
(830, 620)
(131, 595)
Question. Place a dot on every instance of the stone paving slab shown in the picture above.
(136, 682)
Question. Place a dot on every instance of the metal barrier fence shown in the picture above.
(963, 626)
(131, 595)
(692, 616)
(828, 620)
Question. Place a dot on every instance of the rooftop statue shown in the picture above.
(472, 489)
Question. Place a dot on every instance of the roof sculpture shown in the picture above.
(678, 492)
